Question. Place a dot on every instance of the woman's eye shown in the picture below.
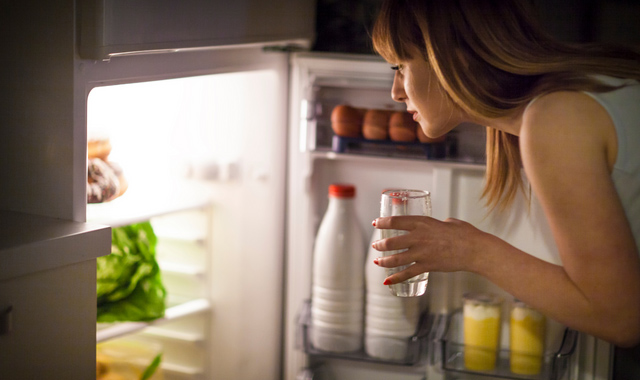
(397, 68)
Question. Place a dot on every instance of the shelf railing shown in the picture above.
(182, 310)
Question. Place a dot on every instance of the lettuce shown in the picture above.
(129, 286)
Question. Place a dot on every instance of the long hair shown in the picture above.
(491, 57)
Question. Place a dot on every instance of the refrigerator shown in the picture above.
(235, 186)
(228, 151)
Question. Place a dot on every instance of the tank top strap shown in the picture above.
(531, 102)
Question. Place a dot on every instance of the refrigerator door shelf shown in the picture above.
(431, 151)
(556, 363)
(417, 345)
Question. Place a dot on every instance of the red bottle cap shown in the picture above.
(340, 190)
(398, 197)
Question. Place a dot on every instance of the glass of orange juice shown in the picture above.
(526, 339)
(481, 312)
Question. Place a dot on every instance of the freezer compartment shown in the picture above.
(415, 347)
(449, 353)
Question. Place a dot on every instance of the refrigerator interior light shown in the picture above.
(179, 127)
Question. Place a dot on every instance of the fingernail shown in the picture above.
(375, 261)
(373, 223)
(387, 282)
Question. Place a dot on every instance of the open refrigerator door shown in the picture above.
(200, 145)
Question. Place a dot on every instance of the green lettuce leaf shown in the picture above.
(129, 286)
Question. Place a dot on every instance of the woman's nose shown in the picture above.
(397, 89)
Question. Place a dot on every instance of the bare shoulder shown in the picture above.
(564, 124)
(565, 112)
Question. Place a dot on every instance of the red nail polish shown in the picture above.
(387, 282)
(373, 223)
(375, 261)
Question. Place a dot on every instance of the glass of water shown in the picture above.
(405, 202)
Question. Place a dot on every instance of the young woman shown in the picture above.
(568, 116)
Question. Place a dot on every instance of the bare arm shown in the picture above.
(567, 154)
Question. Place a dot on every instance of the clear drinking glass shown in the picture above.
(405, 202)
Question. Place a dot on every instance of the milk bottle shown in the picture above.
(389, 320)
(337, 293)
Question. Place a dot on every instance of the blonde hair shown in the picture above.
(491, 57)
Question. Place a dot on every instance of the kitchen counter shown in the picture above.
(31, 243)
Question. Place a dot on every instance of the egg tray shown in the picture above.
(418, 343)
(359, 145)
(449, 352)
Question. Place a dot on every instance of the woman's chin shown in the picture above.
(427, 138)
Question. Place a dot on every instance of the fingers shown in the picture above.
(408, 257)
(399, 259)
(404, 275)
(391, 244)
(405, 222)
(403, 225)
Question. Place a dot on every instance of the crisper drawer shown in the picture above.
(451, 354)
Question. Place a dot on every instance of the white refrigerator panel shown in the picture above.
(215, 119)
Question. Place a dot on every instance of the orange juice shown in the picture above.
(481, 331)
(527, 333)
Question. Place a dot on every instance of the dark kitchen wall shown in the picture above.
(612, 21)
(344, 25)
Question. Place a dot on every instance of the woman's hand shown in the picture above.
(433, 245)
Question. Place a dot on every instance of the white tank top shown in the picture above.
(623, 106)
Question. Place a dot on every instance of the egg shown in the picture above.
(425, 139)
(346, 121)
(376, 124)
(402, 127)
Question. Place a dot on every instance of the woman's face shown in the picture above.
(416, 85)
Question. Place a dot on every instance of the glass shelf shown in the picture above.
(114, 330)
(417, 345)
(143, 201)
(432, 151)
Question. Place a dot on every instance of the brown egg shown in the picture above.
(425, 139)
(402, 127)
(346, 121)
(376, 124)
